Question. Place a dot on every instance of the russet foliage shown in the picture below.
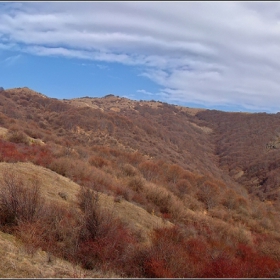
(214, 187)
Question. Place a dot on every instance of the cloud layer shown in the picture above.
(207, 53)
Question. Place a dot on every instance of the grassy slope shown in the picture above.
(16, 261)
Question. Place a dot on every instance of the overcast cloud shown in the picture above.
(209, 53)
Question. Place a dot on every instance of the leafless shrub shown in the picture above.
(19, 201)
(209, 194)
(98, 161)
(57, 231)
(16, 136)
(96, 220)
(136, 184)
(128, 194)
(192, 203)
(129, 170)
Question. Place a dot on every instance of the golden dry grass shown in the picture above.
(115, 103)
(3, 131)
(203, 128)
(82, 102)
(4, 134)
(138, 219)
(190, 111)
(17, 262)
(25, 90)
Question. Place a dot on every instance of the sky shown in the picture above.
(216, 55)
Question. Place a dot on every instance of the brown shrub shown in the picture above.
(98, 161)
(129, 170)
(57, 231)
(101, 181)
(165, 201)
(209, 194)
(61, 166)
(184, 186)
(103, 239)
(229, 199)
(192, 203)
(150, 170)
(173, 173)
(95, 218)
(16, 136)
(19, 201)
(136, 184)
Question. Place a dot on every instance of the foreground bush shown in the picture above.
(104, 240)
(19, 201)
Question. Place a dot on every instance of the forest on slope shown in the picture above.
(204, 181)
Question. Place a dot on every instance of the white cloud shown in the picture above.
(145, 92)
(216, 53)
(11, 60)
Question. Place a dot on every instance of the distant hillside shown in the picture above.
(139, 188)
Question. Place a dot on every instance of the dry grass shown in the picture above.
(116, 104)
(205, 129)
(82, 103)
(17, 262)
(51, 183)
(137, 219)
(190, 111)
(53, 186)
(24, 90)
(3, 132)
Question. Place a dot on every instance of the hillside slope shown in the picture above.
(198, 185)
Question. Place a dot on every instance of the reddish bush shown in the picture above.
(98, 161)
(172, 256)
(57, 231)
(104, 241)
(150, 170)
(222, 267)
(155, 268)
(10, 153)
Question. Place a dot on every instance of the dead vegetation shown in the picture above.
(137, 188)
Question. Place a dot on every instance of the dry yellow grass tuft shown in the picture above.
(17, 262)
(190, 111)
(3, 131)
(203, 128)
